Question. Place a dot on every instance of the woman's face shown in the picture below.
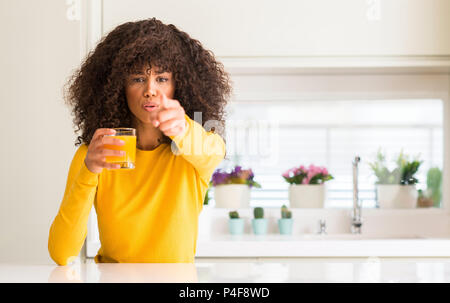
(143, 92)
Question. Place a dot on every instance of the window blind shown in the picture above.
(271, 138)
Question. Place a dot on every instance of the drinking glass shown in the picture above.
(127, 161)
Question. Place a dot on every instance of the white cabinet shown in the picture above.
(284, 28)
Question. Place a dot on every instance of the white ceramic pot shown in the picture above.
(232, 196)
(306, 195)
(397, 196)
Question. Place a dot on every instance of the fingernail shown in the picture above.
(155, 123)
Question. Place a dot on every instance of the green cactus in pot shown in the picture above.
(258, 212)
(233, 214)
(434, 182)
(285, 212)
(235, 224)
(259, 223)
(285, 223)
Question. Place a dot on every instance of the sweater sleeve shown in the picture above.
(69, 228)
(204, 150)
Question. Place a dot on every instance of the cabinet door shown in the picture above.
(288, 28)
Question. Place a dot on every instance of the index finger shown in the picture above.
(167, 102)
(164, 99)
(100, 132)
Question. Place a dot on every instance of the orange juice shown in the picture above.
(127, 160)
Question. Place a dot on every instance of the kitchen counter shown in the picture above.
(385, 233)
(339, 245)
(223, 270)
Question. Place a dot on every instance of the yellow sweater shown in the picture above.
(147, 214)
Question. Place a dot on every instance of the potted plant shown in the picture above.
(433, 194)
(235, 224)
(259, 223)
(285, 223)
(232, 190)
(424, 199)
(307, 186)
(434, 185)
(396, 188)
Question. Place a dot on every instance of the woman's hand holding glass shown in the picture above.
(96, 156)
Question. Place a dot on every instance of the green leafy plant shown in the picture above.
(285, 212)
(433, 193)
(403, 173)
(233, 214)
(207, 198)
(434, 182)
(258, 212)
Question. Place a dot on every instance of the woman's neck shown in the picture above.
(148, 136)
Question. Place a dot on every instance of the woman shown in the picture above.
(151, 77)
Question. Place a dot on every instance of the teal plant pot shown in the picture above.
(259, 226)
(285, 226)
(236, 226)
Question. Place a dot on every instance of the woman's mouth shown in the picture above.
(150, 107)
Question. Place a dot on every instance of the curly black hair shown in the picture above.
(96, 91)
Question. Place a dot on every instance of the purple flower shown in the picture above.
(219, 178)
(236, 176)
(251, 174)
(236, 172)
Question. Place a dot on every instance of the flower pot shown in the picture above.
(396, 196)
(425, 202)
(306, 195)
(285, 226)
(232, 196)
(236, 226)
(259, 226)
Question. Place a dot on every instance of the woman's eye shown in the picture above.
(138, 80)
(162, 79)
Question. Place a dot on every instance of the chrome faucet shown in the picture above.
(356, 212)
(322, 227)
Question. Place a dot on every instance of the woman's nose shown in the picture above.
(150, 90)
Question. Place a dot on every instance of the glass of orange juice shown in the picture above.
(127, 161)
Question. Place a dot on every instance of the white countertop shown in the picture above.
(296, 270)
(339, 245)
(385, 233)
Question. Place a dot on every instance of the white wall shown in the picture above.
(39, 49)
(300, 27)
